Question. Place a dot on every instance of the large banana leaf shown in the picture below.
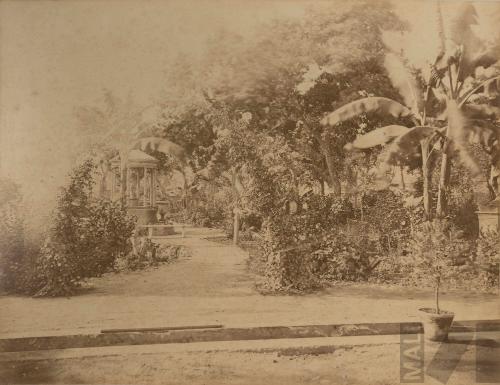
(378, 137)
(405, 145)
(402, 77)
(481, 111)
(162, 145)
(462, 46)
(470, 48)
(459, 132)
(483, 132)
(370, 104)
(492, 88)
(399, 152)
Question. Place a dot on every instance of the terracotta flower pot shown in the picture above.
(436, 326)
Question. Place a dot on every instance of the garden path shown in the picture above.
(213, 286)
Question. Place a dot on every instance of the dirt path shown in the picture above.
(213, 286)
(210, 271)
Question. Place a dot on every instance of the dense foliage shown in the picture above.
(294, 243)
(249, 119)
(84, 240)
(87, 236)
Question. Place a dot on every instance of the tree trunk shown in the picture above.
(322, 186)
(123, 187)
(236, 224)
(103, 183)
(426, 176)
(334, 179)
(402, 178)
(436, 294)
(236, 227)
(105, 169)
(444, 181)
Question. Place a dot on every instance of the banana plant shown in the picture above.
(455, 78)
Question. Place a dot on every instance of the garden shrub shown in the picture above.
(147, 253)
(345, 258)
(487, 259)
(171, 253)
(206, 214)
(462, 206)
(438, 251)
(87, 236)
(387, 213)
(290, 241)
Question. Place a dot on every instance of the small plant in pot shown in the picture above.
(438, 254)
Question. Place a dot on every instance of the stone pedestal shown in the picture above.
(489, 220)
(488, 211)
(145, 215)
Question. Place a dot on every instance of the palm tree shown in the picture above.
(453, 80)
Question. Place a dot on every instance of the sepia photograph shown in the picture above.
(249, 192)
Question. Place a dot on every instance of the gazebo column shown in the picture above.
(137, 183)
(145, 187)
(113, 182)
(129, 182)
(153, 187)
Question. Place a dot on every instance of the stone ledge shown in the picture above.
(229, 334)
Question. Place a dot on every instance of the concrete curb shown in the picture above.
(229, 334)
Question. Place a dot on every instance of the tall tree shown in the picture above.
(292, 72)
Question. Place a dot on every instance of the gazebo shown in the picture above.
(141, 185)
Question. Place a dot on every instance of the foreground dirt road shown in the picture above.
(343, 364)
(213, 286)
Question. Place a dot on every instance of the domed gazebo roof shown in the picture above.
(137, 158)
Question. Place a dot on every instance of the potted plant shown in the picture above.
(438, 254)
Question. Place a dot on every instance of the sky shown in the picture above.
(58, 55)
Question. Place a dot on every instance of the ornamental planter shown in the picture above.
(436, 326)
